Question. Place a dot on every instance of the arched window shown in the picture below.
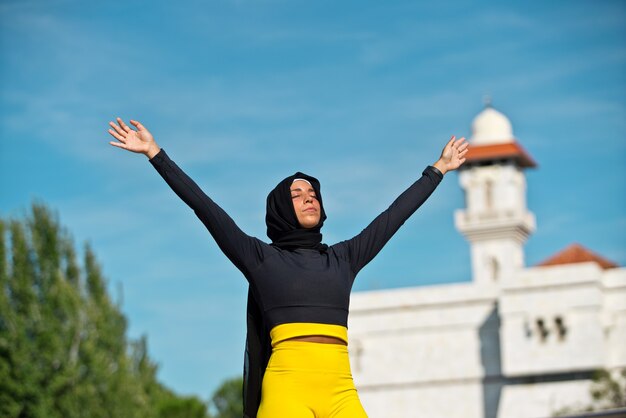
(356, 352)
(489, 195)
(561, 329)
(542, 330)
(494, 269)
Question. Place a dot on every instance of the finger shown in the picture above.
(119, 130)
(117, 135)
(463, 146)
(451, 141)
(123, 125)
(139, 126)
(462, 160)
(459, 142)
(462, 153)
(117, 144)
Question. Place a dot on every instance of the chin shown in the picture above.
(310, 225)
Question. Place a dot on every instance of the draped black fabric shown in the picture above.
(282, 224)
(286, 233)
(257, 353)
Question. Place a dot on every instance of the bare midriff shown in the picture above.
(309, 332)
(318, 339)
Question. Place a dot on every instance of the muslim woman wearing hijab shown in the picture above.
(296, 355)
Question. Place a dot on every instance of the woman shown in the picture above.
(296, 362)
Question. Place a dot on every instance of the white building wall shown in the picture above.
(613, 320)
(411, 349)
(494, 188)
(538, 295)
(495, 221)
(461, 399)
(543, 400)
(494, 261)
(464, 350)
(516, 342)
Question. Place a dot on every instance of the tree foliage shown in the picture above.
(607, 390)
(228, 399)
(63, 346)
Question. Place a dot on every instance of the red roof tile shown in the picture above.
(576, 253)
(513, 150)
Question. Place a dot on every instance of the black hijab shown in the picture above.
(287, 234)
(282, 224)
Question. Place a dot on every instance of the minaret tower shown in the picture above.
(496, 220)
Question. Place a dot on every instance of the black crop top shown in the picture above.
(302, 285)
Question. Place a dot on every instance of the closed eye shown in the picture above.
(312, 196)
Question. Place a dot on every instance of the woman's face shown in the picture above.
(305, 204)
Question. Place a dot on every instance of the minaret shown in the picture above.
(496, 220)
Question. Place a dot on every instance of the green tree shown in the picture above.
(58, 306)
(63, 346)
(24, 376)
(608, 391)
(10, 388)
(189, 407)
(228, 399)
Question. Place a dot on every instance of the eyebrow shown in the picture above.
(299, 189)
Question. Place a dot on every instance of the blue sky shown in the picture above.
(362, 95)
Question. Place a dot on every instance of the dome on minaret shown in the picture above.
(491, 127)
(492, 141)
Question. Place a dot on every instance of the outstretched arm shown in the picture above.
(243, 250)
(361, 249)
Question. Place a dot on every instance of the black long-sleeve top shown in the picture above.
(302, 285)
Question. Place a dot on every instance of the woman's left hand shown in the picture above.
(453, 155)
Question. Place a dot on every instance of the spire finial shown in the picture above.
(487, 100)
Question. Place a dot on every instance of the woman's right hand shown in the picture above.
(139, 141)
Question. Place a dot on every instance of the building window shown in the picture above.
(494, 269)
(561, 329)
(489, 195)
(542, 330)
(356, 351)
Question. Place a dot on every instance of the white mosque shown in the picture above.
(516, 341)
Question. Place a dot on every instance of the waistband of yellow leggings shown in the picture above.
(300, 329)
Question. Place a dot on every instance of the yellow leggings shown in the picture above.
(306, 379)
